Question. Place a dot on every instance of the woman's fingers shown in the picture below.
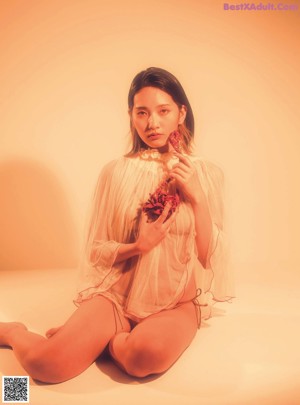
(184, 159)
(161, 219)
(181, 173)
(144, 217)
(168, 222)
(152, 232)
(182, 167)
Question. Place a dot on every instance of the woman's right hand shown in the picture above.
(151, 233)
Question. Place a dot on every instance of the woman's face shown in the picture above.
(155, 115)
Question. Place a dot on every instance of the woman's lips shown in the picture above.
(154, 136)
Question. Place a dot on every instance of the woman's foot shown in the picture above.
(52, 331)
(5, 331)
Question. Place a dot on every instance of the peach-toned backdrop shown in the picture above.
(64, 77)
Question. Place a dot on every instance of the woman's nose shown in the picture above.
(152, 121)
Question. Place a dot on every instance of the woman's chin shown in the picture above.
(160, 146)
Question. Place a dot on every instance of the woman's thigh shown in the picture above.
(82, 338)
(158, 341)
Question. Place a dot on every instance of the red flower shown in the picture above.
(175, 140)
(155, 205)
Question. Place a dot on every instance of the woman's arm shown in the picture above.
(127, 250)
(187, 178)
(203, 227)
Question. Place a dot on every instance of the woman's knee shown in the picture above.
(42, 365)
(146, 356)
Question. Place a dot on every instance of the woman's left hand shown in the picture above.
(185, 174)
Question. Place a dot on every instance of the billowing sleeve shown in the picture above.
(101, 248)
(216, 279)
(101, 244)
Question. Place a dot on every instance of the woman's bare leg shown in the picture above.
(72, 348)
(155, 343)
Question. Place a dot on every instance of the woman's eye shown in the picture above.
(141, 113)
(164, 111)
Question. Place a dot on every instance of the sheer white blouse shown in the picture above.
(151, 282)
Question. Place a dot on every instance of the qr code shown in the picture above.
(15, 389)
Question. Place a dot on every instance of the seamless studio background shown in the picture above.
(65, 72)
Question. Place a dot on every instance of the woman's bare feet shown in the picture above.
(52, 331)
(5, 331)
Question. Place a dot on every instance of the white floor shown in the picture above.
(247, 354)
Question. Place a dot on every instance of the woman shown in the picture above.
(140, 273)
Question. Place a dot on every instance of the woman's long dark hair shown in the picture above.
(164, 80)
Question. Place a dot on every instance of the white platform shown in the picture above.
(246, 355)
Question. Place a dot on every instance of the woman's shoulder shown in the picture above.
(112, 165)
(208, 167)
(210, 173)
(116, 170)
